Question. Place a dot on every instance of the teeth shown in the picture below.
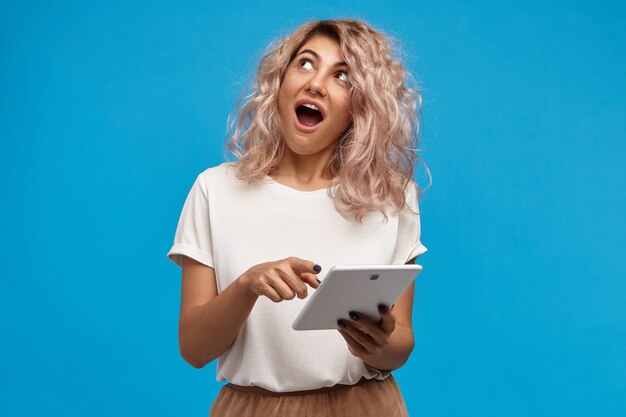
(311, 106)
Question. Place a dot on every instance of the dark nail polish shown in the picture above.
(341, 323)
(354, 315)
(318, 281)
(317, 268)
(382, 308)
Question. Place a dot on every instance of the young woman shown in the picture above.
(326, 153)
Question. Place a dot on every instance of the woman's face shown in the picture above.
(317, 77)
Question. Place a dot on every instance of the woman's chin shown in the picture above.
(305, 147)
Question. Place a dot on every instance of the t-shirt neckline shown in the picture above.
(276, 184)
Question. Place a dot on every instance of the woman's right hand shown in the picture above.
(281, 280)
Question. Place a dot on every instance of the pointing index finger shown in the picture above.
(300, 265)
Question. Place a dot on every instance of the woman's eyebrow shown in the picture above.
(315, 54)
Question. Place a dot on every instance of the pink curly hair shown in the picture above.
(376, 156)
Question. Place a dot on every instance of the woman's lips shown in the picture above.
(304, 128)
(319, 106)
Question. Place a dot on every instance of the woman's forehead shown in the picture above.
(324, 47)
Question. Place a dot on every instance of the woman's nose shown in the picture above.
(316, 85)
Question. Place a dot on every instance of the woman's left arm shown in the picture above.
(386, 344)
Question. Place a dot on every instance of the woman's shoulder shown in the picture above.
(218, 172)
(222, 179)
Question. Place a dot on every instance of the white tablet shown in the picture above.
(354, 288)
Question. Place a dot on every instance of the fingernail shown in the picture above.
(341, 323)
(382, 308)
(318, 281)
(354, 315)
(317, 268)
(392, 306)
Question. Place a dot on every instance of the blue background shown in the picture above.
(110, 109)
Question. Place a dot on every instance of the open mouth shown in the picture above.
(308, 115)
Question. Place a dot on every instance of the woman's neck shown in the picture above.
(302, 171)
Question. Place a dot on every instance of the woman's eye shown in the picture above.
(302, 61)
(343, 76)
(307, 64)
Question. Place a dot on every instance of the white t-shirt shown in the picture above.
(231, 226)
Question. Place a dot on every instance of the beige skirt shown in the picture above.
(368, 397)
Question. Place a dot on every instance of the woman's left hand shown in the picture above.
(366, 338)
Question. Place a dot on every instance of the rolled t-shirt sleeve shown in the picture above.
(193, 233)
(409, 244)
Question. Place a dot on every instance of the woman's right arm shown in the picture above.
(210, 322)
